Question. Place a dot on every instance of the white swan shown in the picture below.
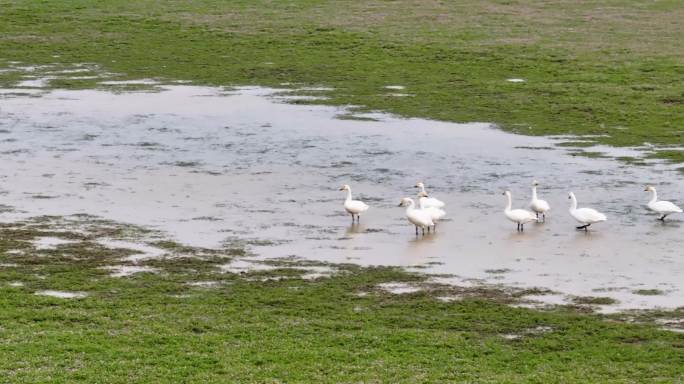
(585, 216)
(429, 201)
(353, 207)
(519, 216)
(537, 205)
(435, 213)
(418, 217)
(662, 207)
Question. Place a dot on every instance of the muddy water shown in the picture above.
(213, 167)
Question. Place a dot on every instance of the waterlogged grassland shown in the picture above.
(613, 69)
(191, 322)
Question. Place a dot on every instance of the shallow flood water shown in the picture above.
(213, 167)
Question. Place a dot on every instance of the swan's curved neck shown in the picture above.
(654, 196)
(422, 189)
(509, 203)
(411, 206)
(573, 204)
(534, 193)
(349, 194)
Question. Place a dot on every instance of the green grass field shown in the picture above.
(611, 69)
(608, 68)
(274, 326)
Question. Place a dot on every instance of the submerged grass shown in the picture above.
(191, 323)
(613, 70)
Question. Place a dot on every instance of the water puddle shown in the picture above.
(203, 284)
(316, 272)
(43, 243)
(311, 272)
(244, 266)
(128, 270)
(448, 299)
(536, 331)
(62, 294)
(8, 265)
(215, 167)
(144, 252)
(673, 325)
(398, 288)
(130, 82)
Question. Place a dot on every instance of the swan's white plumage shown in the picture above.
(418, 217)
(353, 207)
(586, 216)
(661, 206)
(519, 216)
(435, 213)
(664, 207)
(429, 201)
(538, 205)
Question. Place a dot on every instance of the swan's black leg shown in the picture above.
(537, 213)
(543, 217)
(583, 227)
(416, 230)
(522, 227)
(662, 218)
(428, 229)
(423, 231)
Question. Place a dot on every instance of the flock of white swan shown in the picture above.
(429, 210)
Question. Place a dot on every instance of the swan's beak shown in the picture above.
(400, 204)
(342, 189)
